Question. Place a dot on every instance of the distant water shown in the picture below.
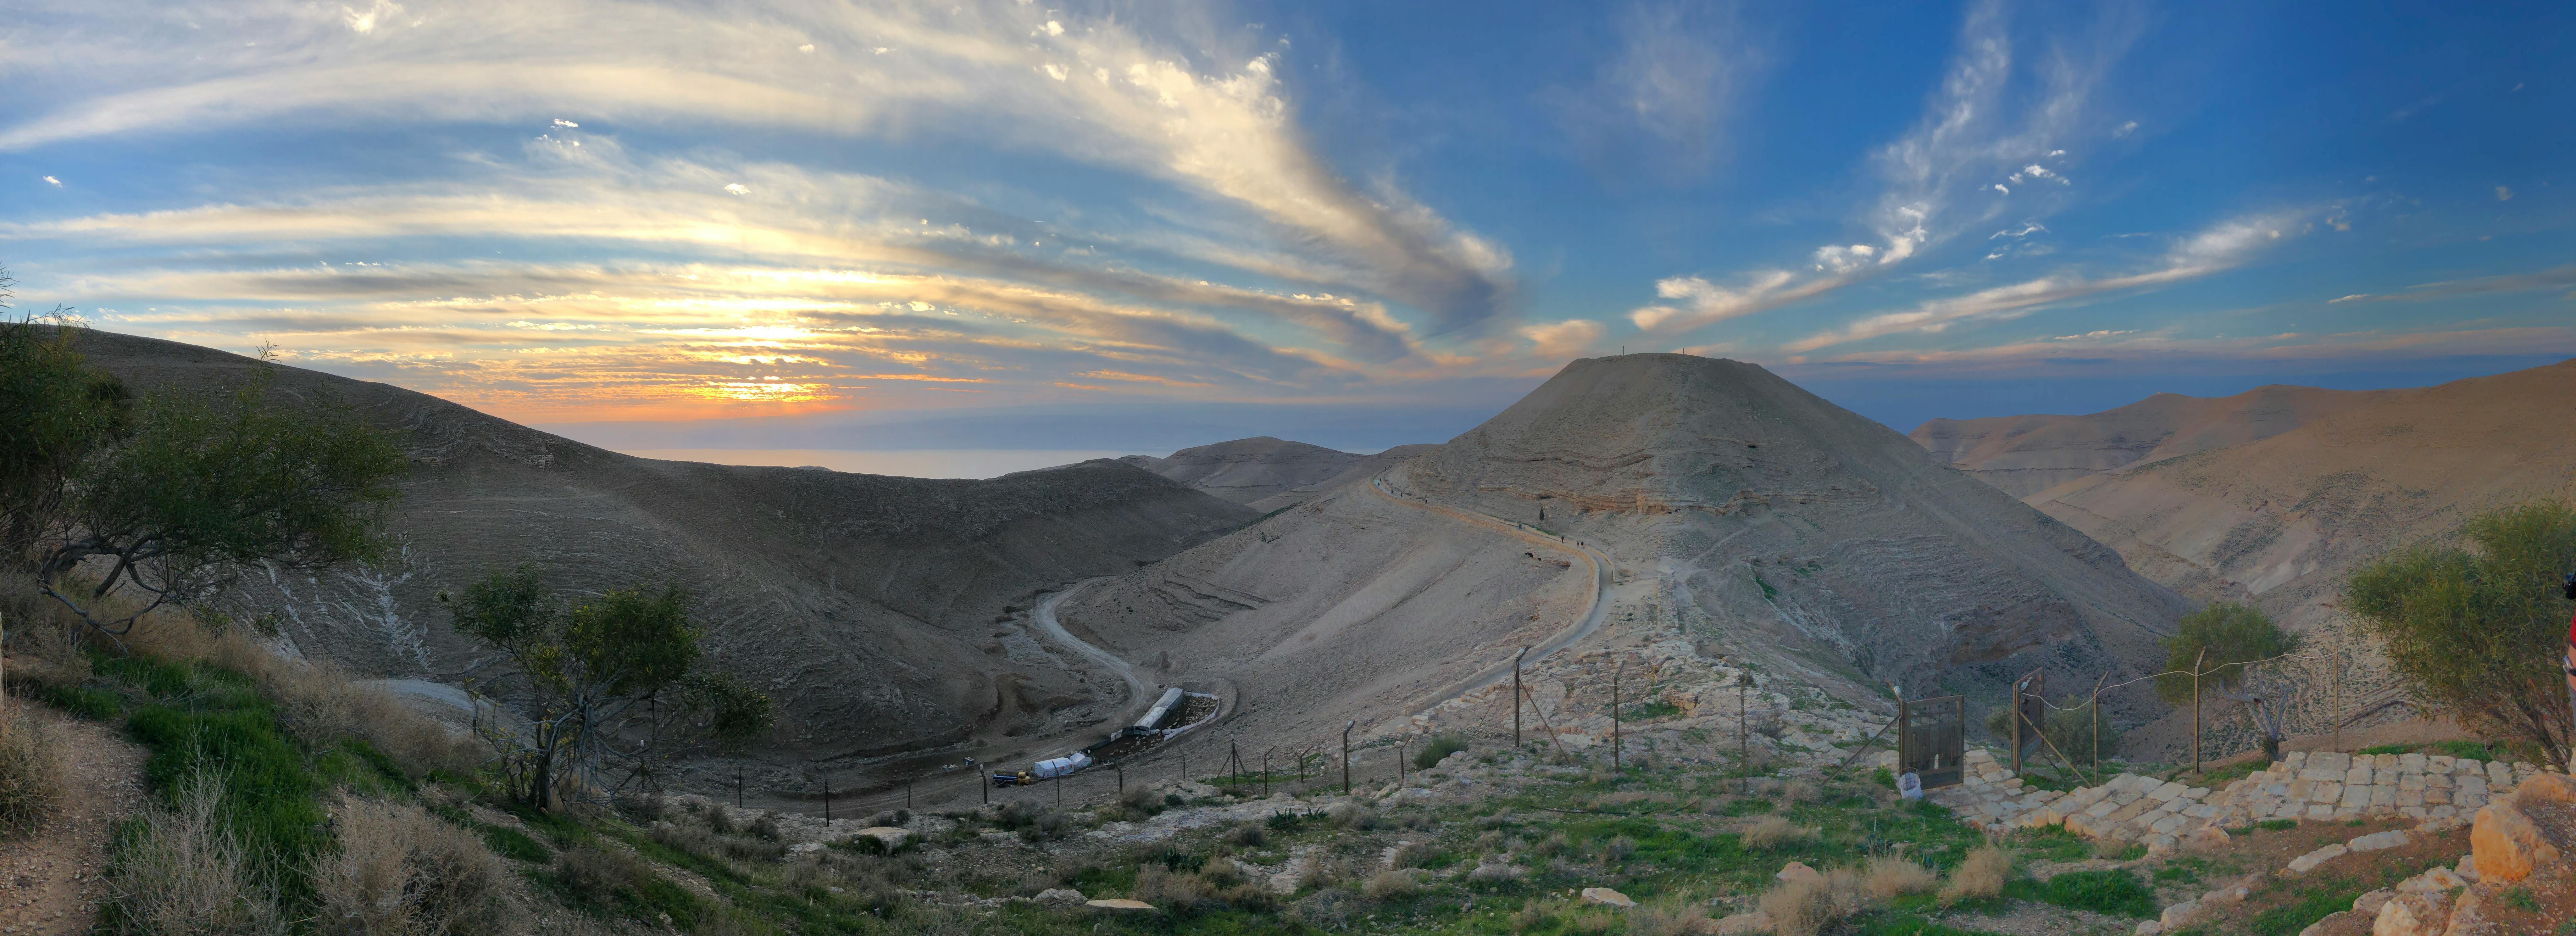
(910, 463)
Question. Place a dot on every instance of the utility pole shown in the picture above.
(1516, 696)
(907, 794)
(2195, 708)
(983, 782)
(1615, 673)
(1346, 755)
(2338, 697)
(1743, 729)
(827, 797)
(1265, 773)
(1122, 777)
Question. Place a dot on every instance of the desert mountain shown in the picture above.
(2024, 455)
(1776, 517)
(1721, 500)
(2281, 519)
(1266, 473)
(866, 605)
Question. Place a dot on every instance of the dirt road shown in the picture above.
(1591, 620)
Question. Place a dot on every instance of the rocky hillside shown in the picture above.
(1714, 502)
(1266, 473)
(2024, 455)
(2281, 519)
(1784, 525)
(864, 604)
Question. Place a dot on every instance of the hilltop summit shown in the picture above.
(1778, 519)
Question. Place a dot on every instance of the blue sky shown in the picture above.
(805, 225)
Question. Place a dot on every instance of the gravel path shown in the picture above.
(50, 884)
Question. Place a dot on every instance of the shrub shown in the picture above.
(1669, 917)
(31, 772)
(1390, 885)
(1889, 877)
(1438, 749)
(1807, 905)
(1415, 855)
(1249, 835)
(1353, 816)
(1802, 791)
(400, 872)
(179, 872)
(1772, 830)
(1161, 887)
(1979, 877)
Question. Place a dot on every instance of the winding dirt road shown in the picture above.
(1580, 629)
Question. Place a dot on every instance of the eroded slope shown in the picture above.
(2024, 455)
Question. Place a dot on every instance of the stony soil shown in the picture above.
(52, 883)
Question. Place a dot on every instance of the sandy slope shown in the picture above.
(880, 612)
(2024, 455)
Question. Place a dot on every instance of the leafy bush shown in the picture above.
(1438, 749)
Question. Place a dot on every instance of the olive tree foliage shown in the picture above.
(169, 498)
(2227, 643)
(2477, 626)
(589, 666)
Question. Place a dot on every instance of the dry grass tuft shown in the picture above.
(33, 777)
(1978, 877)
(1414, 854)
(1769, 831)
(185, 875)
(1889, 877)
(1389, 885)
(1806, 906)
(1671, 915)
(401, 872)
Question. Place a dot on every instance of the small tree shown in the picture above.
(588, 666)
(170, 499)
(2480, 631)
(2224, 641)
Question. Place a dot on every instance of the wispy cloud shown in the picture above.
(977, 71)
(2552, 278)
(2220, 247)
(1974, 134)
(1661, 103)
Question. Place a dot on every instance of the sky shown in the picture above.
(1130, 227)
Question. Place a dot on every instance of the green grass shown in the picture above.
(85, 701)
(2277, 825)
(2118, 893)
(2053, 843)
(1748, 807)
(1652, 710)
(2315, 903)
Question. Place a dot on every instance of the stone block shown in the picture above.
(2411, 762)
(2406, 798)
(2319, 812)
(2439, 781)
(2411, 915)
(2413, 812)
(2379, 840)
(2325, 792)
(2363, 775)
(2356, 796)
(2178, 914)
(2166, 790)
(2410, 781)
(2295, 759)
(2309, 862)
(2330, 760)
(1605, 897)
(2383, 795)
(2509, 843)
(2439, 763)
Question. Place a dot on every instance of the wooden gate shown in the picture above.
(1931, 739)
